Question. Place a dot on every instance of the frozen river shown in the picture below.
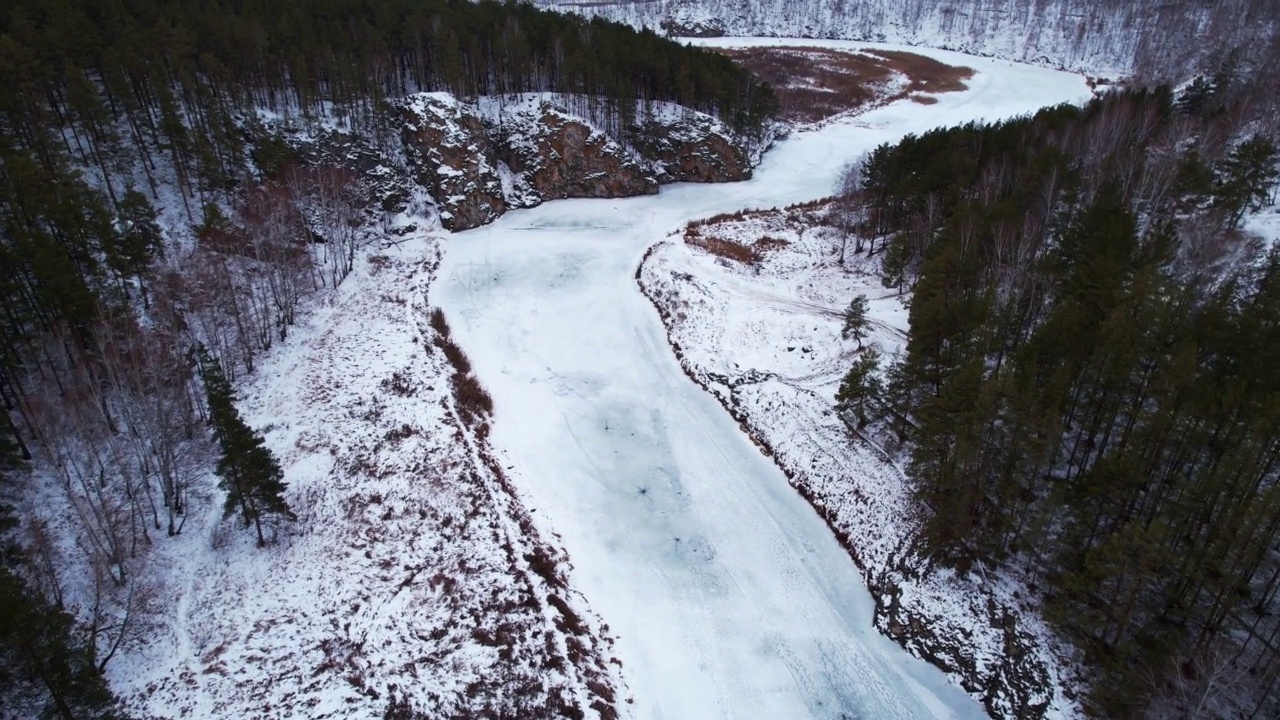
(728, 595)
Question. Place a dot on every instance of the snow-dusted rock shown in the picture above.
(690, 146)
(562, 156)
(479, 159)
(689, 20)
(451, 155)
(388, 188)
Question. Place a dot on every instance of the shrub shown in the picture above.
(473, 400)
(767, 243)
(438, 323)
(456, 357)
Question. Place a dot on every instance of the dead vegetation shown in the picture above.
(813, 84)
(725, 249)
(768, 243)
(925, 74)
(743, 214)
(473, 401)
(745, 254)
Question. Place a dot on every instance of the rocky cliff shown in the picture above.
(451, 155)
(476, 160)
(558, 155)
(690, 147)
(691, 21)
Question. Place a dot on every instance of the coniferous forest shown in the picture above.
(1089, 387)
(121, 341)
(104, 97)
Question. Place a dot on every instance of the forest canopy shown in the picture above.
(1089, 383)
(305, 53)
(116, 87)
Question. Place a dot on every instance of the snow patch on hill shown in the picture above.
(1265, 224)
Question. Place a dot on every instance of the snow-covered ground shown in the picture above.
(1265, 224)
(412, 571)
(728, 595)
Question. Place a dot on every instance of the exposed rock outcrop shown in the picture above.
(691, 147)
(1018, 684)
(560, 156)
(477, 160)
(453, 157)
(383, 176)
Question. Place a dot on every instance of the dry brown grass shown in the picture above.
(767, 244)
(742, 214)
(737, 252)
(725, 249)
(438, 323)
(926, 74)
(814, 204)
(813, 84)
(472, 399)
(454, 354)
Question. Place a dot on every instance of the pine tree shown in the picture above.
(1246, 178)
(862, 389)
(45, 665)
(251, 475)
(138, 241)
(9, 461)
(856, 322)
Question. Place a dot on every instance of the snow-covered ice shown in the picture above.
(729, 596)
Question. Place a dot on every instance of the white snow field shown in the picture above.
(728, 595)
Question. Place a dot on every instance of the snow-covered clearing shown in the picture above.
(412, 569)
(729, 596)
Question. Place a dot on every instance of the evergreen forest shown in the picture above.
(1089, 389)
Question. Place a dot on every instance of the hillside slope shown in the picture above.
(413, 577)
(1099, 37)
